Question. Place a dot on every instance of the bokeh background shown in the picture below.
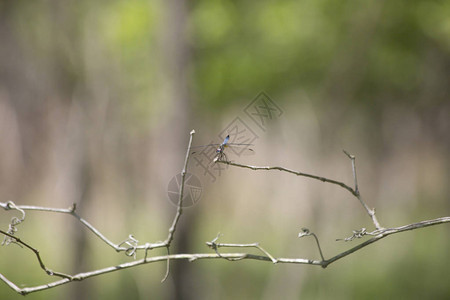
(97, 99)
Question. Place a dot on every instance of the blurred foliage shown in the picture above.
(241, 47)
(376, 79)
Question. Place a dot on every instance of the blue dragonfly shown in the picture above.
(238, 148)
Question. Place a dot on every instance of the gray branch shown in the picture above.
(132, 246)
(354, 191)
(229, 256)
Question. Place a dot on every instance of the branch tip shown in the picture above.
(73, 207)
(349, 155)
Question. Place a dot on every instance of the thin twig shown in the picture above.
(370, 211)
(38, 256)
(180, 199)
(213, 245)
(167, 266)
(384, 232)
(306, 232)
(354, 192)
(353, 160)
(172, 228)
(357, 234)
(323, 179)
(71, 211)
(11, 285)
(377, 234)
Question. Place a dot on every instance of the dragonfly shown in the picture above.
(239, 148)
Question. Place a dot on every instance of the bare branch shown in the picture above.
(11, 285)
(213, 245)
(384, 232)
(132, 244)
(189, 257)
(357, 234)
(167, 266)
(172, 228)
(306, 232)
(71, 211)
(354, 192)
(371, 212)
(323, 179)
(118, 247)
(180, 199)
(233, 256)
(353, 158)
(38, 256)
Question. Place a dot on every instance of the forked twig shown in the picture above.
(357, 194)
(132, 244)
(180, 199)
(38, 256)
(72, 211)
(167, 266)
(384, 232)
(237, 256)
(306, 232)
(172, 228)
(354, 191)
(213, 245)
(267, 168)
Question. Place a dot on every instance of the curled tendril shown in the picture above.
(132, 244)
(213, 245)
(357, 234)
(305, 232)
(12, 229)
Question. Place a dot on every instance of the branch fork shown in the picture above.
(130, 246)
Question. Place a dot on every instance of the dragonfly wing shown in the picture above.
(239, 144)
(248, 151)
(205, 146)
(241, 150)
(208, 151)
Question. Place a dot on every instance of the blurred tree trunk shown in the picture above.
(22, 126)
(41, 93)
(67, 63)
(175, 133)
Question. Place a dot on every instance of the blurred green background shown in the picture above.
(97, 100)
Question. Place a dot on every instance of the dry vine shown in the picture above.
(132, 245)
